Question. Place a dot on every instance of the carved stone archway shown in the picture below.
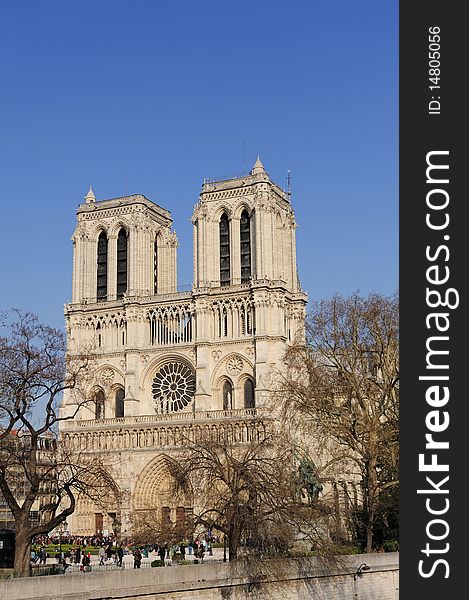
(156, 499)
(99, 517)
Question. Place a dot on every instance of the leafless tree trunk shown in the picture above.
(35, 474)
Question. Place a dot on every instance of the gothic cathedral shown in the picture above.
(173, 365)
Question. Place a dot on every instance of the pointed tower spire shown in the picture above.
(258, 167)
(90, 197)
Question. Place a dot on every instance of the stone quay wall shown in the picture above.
(300, 579)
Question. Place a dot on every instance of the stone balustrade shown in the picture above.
(165, 431)
(186, 416)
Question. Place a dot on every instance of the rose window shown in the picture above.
(173, 387)
(234, 365)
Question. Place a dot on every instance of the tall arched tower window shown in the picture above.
(101, 287)
(245, 235)
(224, 250)
(121, 263)
(120, 403)
(227, 395)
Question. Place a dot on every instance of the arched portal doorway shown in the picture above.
(162, 512)
(98, 513)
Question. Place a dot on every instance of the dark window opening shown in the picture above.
(121, 263)
(249, 399)
(120, 402)
(224, 250)
(99, 405)
(101, 288)
(249, 321)
(245, 238)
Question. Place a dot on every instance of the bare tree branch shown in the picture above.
(343, 385)
(35, 474)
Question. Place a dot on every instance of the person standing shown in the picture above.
(137, 558)
(86, 562)
(108, 552)
(120, 555)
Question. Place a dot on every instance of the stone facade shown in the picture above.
(176, 364)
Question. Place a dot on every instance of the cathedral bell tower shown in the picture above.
(122, 246)
(244, 230)
(245, 281)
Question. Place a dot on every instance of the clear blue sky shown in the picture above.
(150, 97)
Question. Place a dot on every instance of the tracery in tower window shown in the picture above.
(121, 263)
(173, 387)
(225, 275)
(101, 286)
(245, 239)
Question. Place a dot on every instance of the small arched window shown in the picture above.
(227, 395)
(224, 250)
(245, 239)
(121, 263)
(120, 402)
(249, 398)
(101, 287)
(99, 405)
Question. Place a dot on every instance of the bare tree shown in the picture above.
(150, 526)
(252, 494)
(343, 385)
(36, 475)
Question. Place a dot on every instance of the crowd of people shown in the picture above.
(74, 540)
(112, 553)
